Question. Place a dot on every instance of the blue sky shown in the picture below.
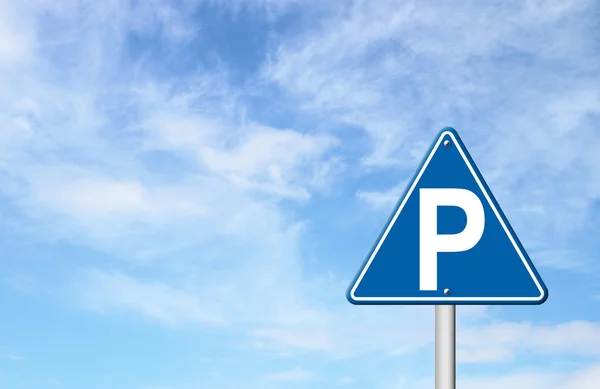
(188, 187)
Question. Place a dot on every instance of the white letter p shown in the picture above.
(430, 243)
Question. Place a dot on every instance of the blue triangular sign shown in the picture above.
(447, 241)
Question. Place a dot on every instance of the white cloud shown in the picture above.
(17, 42)
(501, 342)
(283, 162)
(54, 382)
(206, 284)
(20, 282)
(269, 158)
(483, 354)
(385, 199)
(104, 291)
(113, 212)
(80, 144)
(341, 330)
(564, 259)
(346, 380)
(285, 322)
(351, 331)
(402, 71)
(94, 198)
(294, 375)
(586, 378)
(14, 357)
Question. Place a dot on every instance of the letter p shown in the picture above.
(431, 243)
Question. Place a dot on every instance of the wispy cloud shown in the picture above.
(296, 374)
(20, 282)
(586, 378)
(384, 200)
(14, 357)
(62, 122)
(565, 259)
(55, 382)
(169, 306)
(501, 342)
(470, 66)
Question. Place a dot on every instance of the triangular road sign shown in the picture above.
(447, 242)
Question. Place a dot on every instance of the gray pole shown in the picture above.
(445, 347)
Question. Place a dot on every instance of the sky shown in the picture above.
(187, 188)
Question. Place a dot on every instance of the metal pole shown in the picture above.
(445, 347)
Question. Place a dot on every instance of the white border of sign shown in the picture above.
(449, 300)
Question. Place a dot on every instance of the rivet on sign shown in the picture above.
(446, 143)
(446, 291)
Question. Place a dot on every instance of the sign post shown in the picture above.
(445, 346)
(447, 243)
